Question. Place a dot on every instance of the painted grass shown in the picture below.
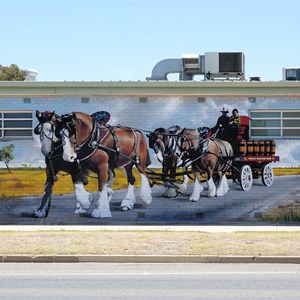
(22, 183)
(150, 243)
(30, 182)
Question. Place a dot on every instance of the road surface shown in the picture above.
(149, 281)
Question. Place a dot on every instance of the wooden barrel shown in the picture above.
(250, 148)
(267, 148)
(243, 148)
(273, 147)
(256, 147)
(261, 147)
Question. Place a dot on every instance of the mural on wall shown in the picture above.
(173, 197)
(154, 113)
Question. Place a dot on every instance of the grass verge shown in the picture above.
(150, 243)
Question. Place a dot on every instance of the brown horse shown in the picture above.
(52, 149)
(99, 148)
(206, 155)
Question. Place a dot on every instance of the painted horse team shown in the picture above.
(80, 144)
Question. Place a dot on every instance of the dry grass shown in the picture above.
(287, 213)
(22, 183)
(151, 243)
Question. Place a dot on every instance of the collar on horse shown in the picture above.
(90, 145)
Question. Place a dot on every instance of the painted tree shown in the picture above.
(6, 155)
(11, 73)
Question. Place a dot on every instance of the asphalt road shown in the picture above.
(149, 281)
(236, 207)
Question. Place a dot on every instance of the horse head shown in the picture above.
(68, 125)
(164, 142)
(48, 129)
(158, 142)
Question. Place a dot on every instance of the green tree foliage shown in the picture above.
(6, 155)
(11, 73)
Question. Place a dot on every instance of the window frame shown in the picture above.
(281, 118)
(4, 129)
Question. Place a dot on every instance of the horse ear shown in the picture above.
(148, 135)
(51, 115)
(38, 114)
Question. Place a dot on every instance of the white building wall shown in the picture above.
(155, 112)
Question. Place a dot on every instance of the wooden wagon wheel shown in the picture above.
(267, 175)
(246, 178)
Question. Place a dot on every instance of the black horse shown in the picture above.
(164, 143)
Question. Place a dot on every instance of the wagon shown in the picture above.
(254, 159)
(251, 159)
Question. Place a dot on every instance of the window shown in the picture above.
(15, 124)
(274, 124)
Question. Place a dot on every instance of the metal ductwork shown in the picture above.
(212, 65)
(165, 67)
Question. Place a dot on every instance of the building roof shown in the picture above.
(151, 88)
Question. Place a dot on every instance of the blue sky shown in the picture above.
(123, 40)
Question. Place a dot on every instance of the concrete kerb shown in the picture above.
(200, 228)
(147, 259)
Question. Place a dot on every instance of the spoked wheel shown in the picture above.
(246, 178)
(267, 176)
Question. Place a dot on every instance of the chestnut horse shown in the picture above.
(206, 155)
(163, 142)
(52, 148)
(99, 148)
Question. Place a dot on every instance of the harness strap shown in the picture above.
(135, 146)
(116, 142)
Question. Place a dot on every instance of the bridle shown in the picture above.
(54, 132)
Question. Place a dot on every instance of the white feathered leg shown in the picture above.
(129, 201)
(198, 188)
(223, 187)
(211, 188)
(103, 209)
(183, 186)
(83, 197)
(145, 191)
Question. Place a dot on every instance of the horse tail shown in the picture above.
(225, 155)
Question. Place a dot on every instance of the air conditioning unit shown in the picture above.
(291, 74)
(224, 65)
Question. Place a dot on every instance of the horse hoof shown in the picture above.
(193, 198)
(101, 214)
(39, 214)
(80, 211)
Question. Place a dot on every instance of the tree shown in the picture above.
(6, 155)
(11, 73)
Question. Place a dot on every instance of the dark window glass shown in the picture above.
(14, 115)
(18, 124)
(265, 123)
(291, 132)
(17, 133)
(265, 132)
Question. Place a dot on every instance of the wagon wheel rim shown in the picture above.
(267, 175)
(246, 178)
